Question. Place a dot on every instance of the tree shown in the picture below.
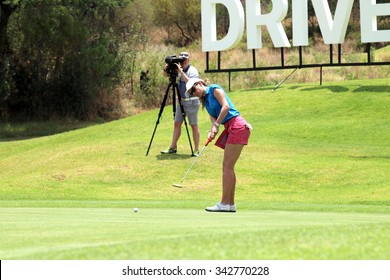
(180, 20)
(6, 10)
(57, 64)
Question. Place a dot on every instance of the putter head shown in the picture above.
(177, 185)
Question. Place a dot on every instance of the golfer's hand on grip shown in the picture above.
(213, 132)
(211, 136)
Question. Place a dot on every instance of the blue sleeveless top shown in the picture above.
(214, 108)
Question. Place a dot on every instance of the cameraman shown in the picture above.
(190, 102)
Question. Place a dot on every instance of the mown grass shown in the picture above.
(316, 154)
(164, 233)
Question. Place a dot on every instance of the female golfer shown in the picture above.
(232, 139)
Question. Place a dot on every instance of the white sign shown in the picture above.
(333, 29)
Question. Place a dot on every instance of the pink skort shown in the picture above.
(237, 131)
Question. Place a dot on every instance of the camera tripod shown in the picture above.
(175, 89)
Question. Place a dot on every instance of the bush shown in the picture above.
(60, 61)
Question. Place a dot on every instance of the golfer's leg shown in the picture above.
(231, 155)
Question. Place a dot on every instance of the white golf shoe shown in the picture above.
(220, 207)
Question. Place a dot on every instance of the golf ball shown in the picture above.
(135, 209)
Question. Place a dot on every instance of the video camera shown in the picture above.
(171, 61)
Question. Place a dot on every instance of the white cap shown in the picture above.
(191, 83)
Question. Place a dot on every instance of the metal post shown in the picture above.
(339, 53)
(300, 56)
(229, 81)
(219, 60)
(207, 61)
(254, 58)
(331, 54)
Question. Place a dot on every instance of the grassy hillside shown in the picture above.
(314, 144)
(312, 183)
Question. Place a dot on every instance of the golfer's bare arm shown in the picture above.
(220, 96)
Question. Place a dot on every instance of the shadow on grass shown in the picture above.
(15, 131)
(371, 157)
(263, 88)
(384, 89)
(174, 157)
(335, 89)
(361, 89)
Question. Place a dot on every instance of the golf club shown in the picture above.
(278, 85)
(180, 185)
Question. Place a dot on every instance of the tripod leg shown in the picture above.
(159, 116)
(183, 114)
(173, 103)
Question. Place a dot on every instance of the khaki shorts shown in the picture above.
(191, 109)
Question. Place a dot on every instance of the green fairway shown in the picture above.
(313, 183)
(119, 233)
